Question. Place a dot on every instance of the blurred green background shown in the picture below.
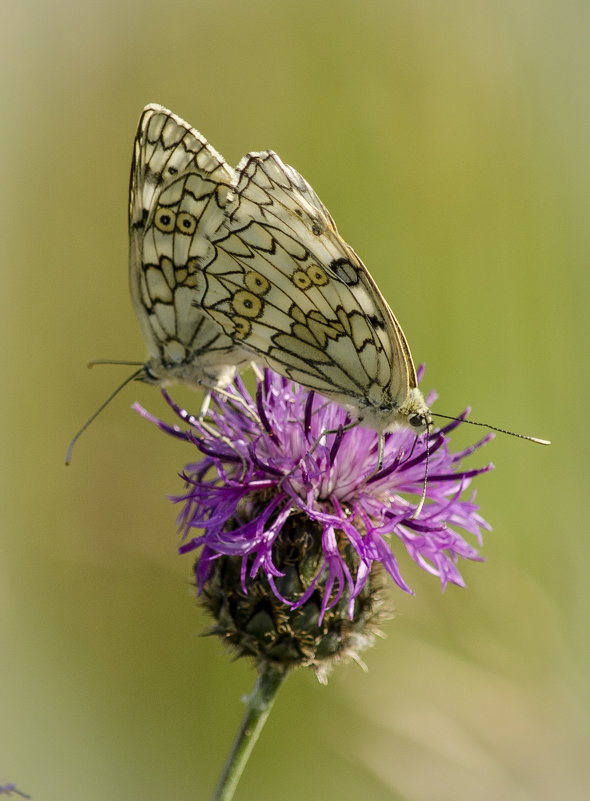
(450, 142)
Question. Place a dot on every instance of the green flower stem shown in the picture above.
(258, 706)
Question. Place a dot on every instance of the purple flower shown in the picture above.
(9, 789)
(270, 475)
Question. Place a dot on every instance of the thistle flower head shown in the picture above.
(296, 528)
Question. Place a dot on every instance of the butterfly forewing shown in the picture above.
(287, 286)
(178, 189)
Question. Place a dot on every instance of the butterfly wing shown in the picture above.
(178, 189)
(287, 286)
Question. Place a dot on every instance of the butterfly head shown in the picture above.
(414, 413)
(386, 416)
(190, 372)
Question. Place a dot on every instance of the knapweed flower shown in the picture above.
(297, 526)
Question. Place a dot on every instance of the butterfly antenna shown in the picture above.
(92, 362)
(91, 419)
(203, 411)
(425, 484)
(229, 396)
(380, 451)
(326, 431)
(495, 428)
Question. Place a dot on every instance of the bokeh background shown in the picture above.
(450, 142)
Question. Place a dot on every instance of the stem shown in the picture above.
(258, 706)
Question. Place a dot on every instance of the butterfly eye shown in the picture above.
(149, 376)
(417, 420)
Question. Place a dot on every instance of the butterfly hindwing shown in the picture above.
(177, 194)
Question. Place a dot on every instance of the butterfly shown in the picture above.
(231, 265)
(177, 194)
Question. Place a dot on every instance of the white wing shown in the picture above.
(288, 287)
(178, 189)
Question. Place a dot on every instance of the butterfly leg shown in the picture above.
(233, 398)
(211, 430)
(340, 430)
(205, 404)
